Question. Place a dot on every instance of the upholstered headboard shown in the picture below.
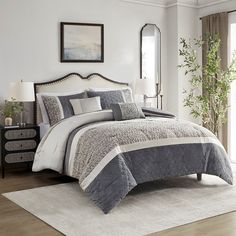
(71, 83)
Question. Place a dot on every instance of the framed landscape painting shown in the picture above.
(82, 42)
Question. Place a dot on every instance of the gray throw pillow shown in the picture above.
(126, 111)
(112, 96)
(107, 97)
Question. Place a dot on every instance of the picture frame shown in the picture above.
(82, 42)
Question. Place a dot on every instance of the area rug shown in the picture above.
(149, 208)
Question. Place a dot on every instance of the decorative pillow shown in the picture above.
(59, 107)
(108, 97)
(127, 111)
(65, 101)
(112, 96)
(127, 91)
(128, 95)
(86, 105)
(54, 109)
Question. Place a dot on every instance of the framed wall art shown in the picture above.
(82, 42)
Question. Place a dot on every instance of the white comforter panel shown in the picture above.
(51, 150)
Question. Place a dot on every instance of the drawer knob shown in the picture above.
(21, 134)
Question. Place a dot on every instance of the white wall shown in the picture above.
(172, 52)
(188, 29)
(182, 22)
(29, 42)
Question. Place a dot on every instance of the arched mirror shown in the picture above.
(150, 58)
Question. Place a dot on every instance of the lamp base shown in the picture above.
(21, 124)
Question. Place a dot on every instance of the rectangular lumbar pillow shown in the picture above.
(126, 111)
(86, 105)
(59, 107)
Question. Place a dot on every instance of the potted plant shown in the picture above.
(9, 109)
(210, 84)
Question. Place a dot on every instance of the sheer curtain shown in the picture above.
(217, 24)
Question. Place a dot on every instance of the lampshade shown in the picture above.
(21, 91)
(145, 87)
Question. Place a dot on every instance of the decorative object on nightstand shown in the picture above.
(9, 109)
(18, 145)
(22, 92)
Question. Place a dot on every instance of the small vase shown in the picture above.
(8, 121)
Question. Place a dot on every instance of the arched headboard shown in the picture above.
(72, 82)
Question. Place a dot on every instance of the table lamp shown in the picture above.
(146, 88)
(22, 92)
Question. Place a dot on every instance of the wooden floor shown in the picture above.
(15, 221)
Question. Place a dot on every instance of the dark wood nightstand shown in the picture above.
(18, 145)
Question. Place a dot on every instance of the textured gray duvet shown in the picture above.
(112, 157)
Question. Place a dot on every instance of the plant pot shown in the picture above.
(8, 121)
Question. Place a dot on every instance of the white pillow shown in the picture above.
(42, 107)
(86, 105)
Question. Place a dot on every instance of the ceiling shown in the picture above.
(209, 2)
(168, 3)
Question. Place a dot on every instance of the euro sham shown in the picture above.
(112, 96)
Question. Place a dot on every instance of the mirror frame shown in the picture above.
(158, 84)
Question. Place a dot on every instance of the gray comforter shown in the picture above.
(112, 157)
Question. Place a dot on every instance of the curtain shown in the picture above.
(217, 24)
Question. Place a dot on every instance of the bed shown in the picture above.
(110, 156)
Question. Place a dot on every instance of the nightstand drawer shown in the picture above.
(20, 134)
(20, 145)
(19, 157)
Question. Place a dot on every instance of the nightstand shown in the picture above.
(18, 145)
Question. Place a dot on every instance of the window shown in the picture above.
(232, 97)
